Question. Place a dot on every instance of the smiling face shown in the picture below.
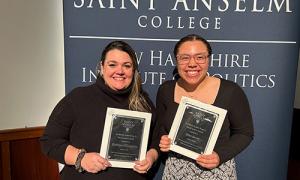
(192, 72)
(117, 69)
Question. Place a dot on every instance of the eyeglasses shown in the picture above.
(183, 59)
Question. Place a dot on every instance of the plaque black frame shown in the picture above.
(125, 137)
(195, 128)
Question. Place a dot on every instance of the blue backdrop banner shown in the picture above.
(255, 43)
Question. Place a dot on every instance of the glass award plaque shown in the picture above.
(196, 127)
(125, 137)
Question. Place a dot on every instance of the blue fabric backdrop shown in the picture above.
(255, 43)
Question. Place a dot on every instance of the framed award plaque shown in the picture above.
(125, 137)
(196, 127)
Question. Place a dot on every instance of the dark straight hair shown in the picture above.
(137, 100)
(192, 37)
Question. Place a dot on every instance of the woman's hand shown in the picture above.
(144, 165)
(209, 161)
(93, 162)
(165, 143)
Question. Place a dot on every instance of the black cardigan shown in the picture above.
(237, 130)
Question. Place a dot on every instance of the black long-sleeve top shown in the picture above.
(237, 129)
(78, 120)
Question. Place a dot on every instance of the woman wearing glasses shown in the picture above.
(192, 53)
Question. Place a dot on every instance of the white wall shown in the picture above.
(31, 61)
